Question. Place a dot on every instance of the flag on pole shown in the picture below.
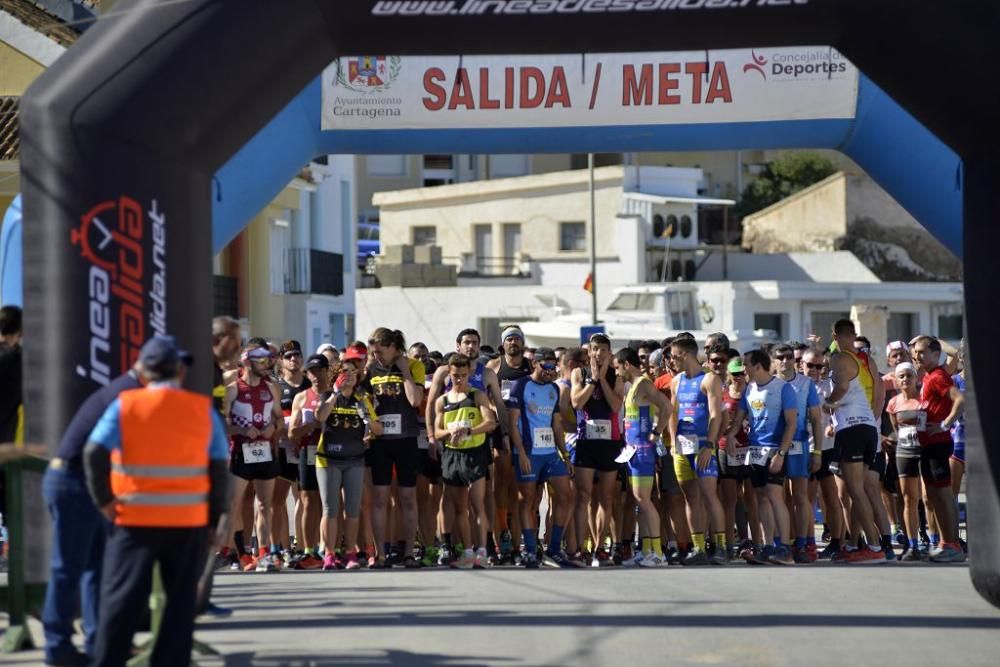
(588, 284)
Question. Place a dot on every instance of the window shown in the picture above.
(633, 301)
(771, 321)
(572, 236)
(672, 226)
(822, 322)
(950, 327)
(386, 165)
(900, 326)
(680, 310)
(484, 247)
(279, 235)
(685, 226)
(425, 235)
(511, 245)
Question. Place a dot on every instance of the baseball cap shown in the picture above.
(904, 366)
(355, 352)
(545, 354)
(736, 365)
(510, 332)
(893, 346)
(655, 358)
(317, 361)
(324, 347)
(161, 353)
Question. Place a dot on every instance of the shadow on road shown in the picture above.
(390, 657)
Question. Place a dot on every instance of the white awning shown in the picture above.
(665, 199)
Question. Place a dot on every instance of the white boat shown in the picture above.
(646, 312)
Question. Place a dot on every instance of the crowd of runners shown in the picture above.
(663, 452)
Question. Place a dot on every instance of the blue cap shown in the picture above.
(161, 353)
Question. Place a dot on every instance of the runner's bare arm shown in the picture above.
(489, 420)
(435, 390)
(840, 373)
(297, 427)
(878, 389)
(441, 431)
(712, 386)
(664, 410)
(493, 387)
(580, 392)
(414, 392)
(513, 415)
(674, 413)
(277, 416)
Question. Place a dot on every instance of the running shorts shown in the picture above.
(686, 467)
(463, 467)
(399, 455)
(597, 455)
(857, 444)
(543, 468)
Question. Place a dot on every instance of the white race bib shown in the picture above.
(796, 447)
(687, 444)
(661, 449)
(308, 416)
(736, 456)
(422, 441)
(598, 429)
(391, 424)
(505, 389)
(257, 452)
(543, 438)
(311, 455)
(759, 456)
(292, 453)
(908, 438)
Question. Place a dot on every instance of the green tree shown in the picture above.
(781, 178)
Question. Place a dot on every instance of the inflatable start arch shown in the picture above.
(122, 138)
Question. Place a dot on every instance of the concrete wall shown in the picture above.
(810, 220)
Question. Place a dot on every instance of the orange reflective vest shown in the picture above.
(159, 475)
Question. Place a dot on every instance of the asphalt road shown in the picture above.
(894, 614)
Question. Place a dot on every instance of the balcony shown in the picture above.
(518, 265)
(311, 271)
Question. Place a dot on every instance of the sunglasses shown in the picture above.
(291, 355)
(548, 366)
(718, 360)
(677, 357)
(816, 367)
(784, 357)
(738, 374)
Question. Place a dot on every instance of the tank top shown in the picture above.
(309, 408)
(252, 407)
(476, 379)
(692, 407)
(958, 428)
(342, 438)
(398, 417)
(596, 422)
(855, 408)
(537, 402)
(731, 405)
(465, 413)
(638, 418)
(864, 378)
(508, 374)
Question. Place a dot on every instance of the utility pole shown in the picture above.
(593, 246)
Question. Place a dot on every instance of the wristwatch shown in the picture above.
(590, 381)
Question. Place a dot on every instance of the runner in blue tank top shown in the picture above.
(801, 462)
(770, 404)
(540, 455)
(694, 430)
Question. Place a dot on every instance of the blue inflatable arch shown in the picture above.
(122, 138)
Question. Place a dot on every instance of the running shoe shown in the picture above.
(601, 558)
(781, 556)
(529, 561)
(328, 562)
(636, 560)
(352, 562)
(266, 563)
(444, 555)
(394, 559)
(311, 562)
(466, 561)
(481, 562)
(887, 549)
(579, 559)
(673, 556)
(911, 556)
(841, 556)
(865, 557)
(828, 552)
(506, 543)
(695, 557)
(222, 561)
(800, 556)
(948, 553)
(558, 559)
(628, 552)
(812, 553)
(652, 559)
(901, 541)
(762, 556)
(617, 555)
(718, 557)
(430, 557)
(246, 563)
(826, 534)
(411, 563)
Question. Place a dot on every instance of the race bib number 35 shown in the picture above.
(543, 438)
(598, 429)
(391, 424)
(257, 452)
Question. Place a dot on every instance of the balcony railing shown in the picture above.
(517, 266)
(311, 271)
